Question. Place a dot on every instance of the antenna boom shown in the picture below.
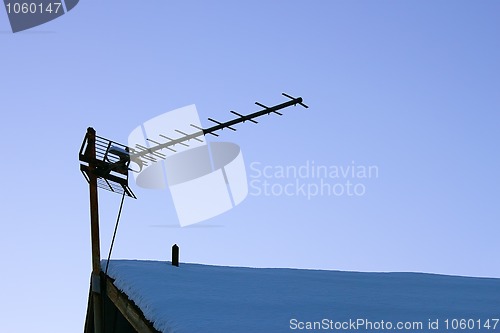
(149, 154)
(220, 125)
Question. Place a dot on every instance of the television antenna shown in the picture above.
(106, 165)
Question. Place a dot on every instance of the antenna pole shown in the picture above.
(94, 227)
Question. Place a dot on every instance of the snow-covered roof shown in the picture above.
(197, 298)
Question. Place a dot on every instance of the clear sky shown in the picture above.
(410, 87)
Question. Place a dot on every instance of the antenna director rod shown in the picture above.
(180, 140)
(220, 126)
(241, 119)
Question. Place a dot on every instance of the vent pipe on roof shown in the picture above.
(175, 255)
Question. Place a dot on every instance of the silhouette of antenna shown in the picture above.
(106, 164)
(112, 159)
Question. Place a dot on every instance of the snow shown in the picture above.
(196, 298)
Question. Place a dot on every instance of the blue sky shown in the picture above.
(411, 87)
